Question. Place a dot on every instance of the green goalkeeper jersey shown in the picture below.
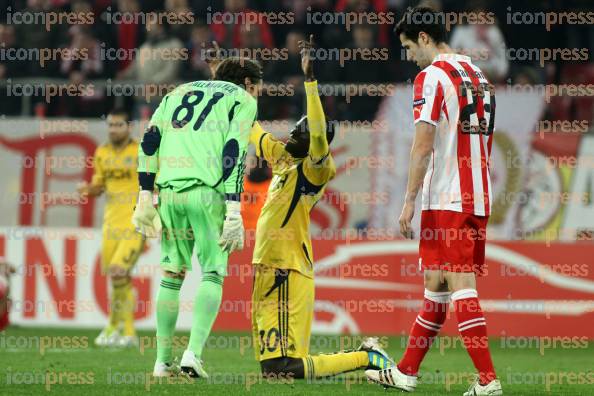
(199, 136)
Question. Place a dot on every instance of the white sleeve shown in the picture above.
(427, 98)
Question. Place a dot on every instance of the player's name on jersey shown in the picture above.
(462, 73)
(216, 85)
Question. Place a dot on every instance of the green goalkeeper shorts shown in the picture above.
(192, 218)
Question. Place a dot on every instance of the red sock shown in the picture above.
(4, 320)
(3, 297)
(473, 329)
(424, 329)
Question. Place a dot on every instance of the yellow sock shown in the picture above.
(114, 306)
(118, 302)
(127, 309)
(324, 365)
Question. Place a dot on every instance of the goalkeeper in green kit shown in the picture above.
(193, 151)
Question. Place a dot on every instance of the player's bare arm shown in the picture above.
(88, 189)
(419, 161)
(96, 187)
(305, 46)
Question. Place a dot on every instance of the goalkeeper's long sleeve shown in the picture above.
(316, 121)
(235, 148)
(148, 158)
(148, 150)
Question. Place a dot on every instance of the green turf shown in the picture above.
(25, 368)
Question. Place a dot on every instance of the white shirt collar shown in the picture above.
(454, 57)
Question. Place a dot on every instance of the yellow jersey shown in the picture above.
(115, 170)
(282, 232)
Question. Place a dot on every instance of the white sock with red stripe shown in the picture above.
(424, 329)
(473, 329)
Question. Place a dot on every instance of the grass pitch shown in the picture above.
(65, 362)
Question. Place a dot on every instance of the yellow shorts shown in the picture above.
(282, 312)
(122, 251)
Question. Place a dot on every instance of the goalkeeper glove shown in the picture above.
(146, 218)
(232, 236)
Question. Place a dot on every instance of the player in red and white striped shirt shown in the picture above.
(454, 113)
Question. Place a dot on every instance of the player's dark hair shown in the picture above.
(236, 69)
(422, 19)
(120, 111)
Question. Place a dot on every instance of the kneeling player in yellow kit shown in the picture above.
(114, 167)
(283, 294)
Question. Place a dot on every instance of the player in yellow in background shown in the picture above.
(283, 293)
(114, 167)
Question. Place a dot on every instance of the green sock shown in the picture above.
(206, 308)
(167, 310)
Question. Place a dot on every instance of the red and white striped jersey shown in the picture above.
(454, 95)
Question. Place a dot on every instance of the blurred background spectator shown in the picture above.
(184, 13)
(376, 70)
(35, 35)
(129, 35)
(158, 62)
(483, 43)
(201, 38)
(79, 65)
(288, 72)
(244, 24)
(229, 25)
(10, 69)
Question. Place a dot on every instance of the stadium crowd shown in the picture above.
(163, 42)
